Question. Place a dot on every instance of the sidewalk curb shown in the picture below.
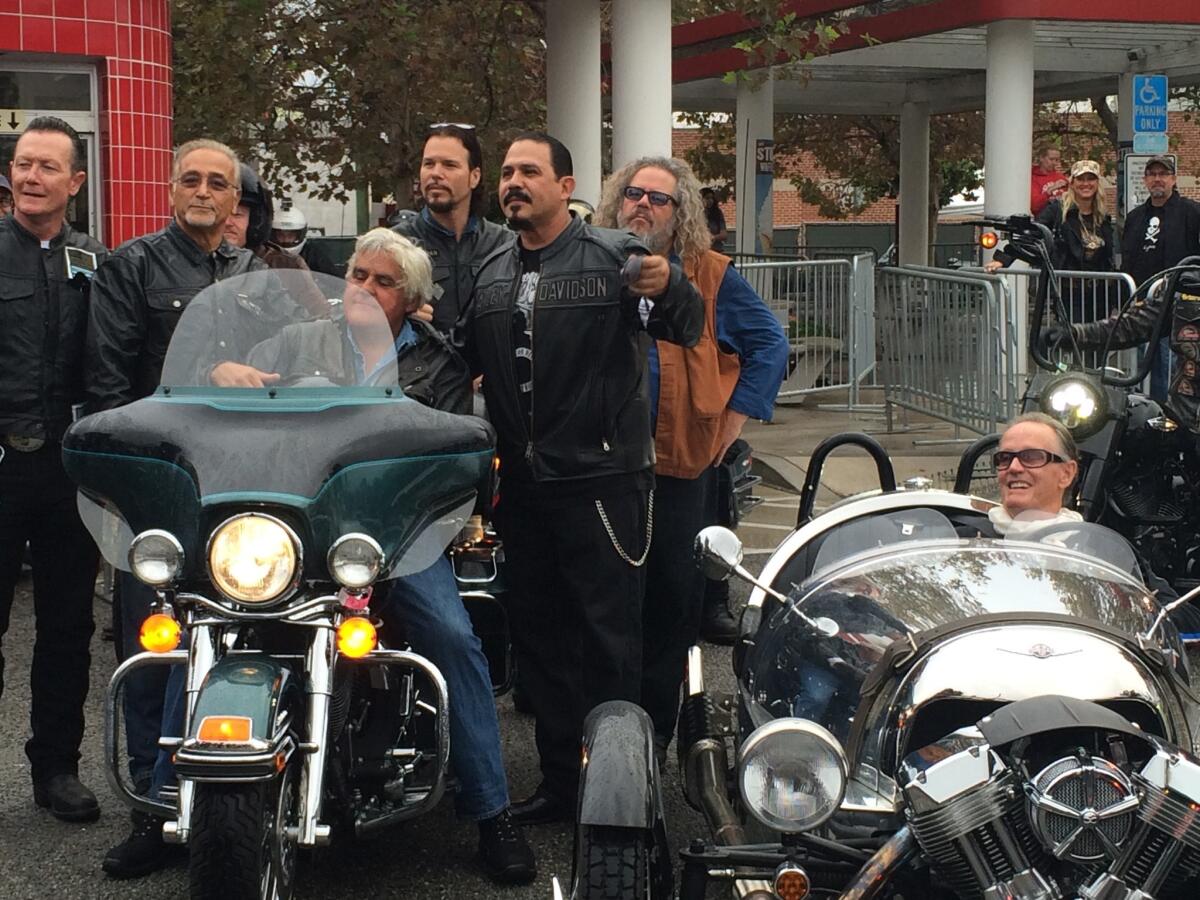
(783, 474)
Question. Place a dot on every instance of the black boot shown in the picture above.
(66, 798)
(503, 852)
(717, 625)
(143, 852)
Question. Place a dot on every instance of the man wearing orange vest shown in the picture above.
(701, 397)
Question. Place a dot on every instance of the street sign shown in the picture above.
(12, 121)
(1135, 169)
(1150, 142)
(1149, 103)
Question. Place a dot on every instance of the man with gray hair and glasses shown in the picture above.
(138, 296)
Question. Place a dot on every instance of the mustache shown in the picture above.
(517, 194)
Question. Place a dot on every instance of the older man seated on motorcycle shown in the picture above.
(393, 278)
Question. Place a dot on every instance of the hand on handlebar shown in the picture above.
(1053, 335)
(231, 374)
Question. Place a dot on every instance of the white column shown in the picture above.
(573, 87)
(914, 184)
(755, 122)
(1008, 134)
(1124, 137)
(641, 79)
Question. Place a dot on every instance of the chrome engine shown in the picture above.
(1062, 813)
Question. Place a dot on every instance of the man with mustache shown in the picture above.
(699, 399)
(451, 227)
(138, 296)
(556, 326)
(43, 320)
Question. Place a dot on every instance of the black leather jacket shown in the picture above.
(138, 296)
(591, 408)
(43, 323)
(455, 262)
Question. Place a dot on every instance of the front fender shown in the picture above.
(619, 781)
(258, 688)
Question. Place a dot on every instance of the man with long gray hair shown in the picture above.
(700, 399)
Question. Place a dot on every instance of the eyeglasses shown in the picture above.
(1031, 458)
(657, 198)
(465, 126)
(360, 276)
(218, 184)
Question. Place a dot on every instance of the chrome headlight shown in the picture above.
(156, 558)
(1076, 403)
(253, 558)
(792, 774)
(355, 560)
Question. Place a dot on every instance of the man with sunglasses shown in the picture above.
(556, 327)
(700, 398)
(451, 228)
(138, 296)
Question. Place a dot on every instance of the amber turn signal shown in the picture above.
(225, 729)
(356, 637)
(791, 882)
(159, 633)
(988, 240)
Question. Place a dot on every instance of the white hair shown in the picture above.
(411, 259)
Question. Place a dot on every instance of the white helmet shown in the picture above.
(290, 230)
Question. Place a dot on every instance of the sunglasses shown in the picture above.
(1030, 459)
(460, 125)
(657, 198)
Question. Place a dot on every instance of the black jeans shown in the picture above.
(37, 504)
(674, 593)
(576, 614)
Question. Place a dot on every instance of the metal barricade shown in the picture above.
(951, 347)
(827, 309)
(1086, 297)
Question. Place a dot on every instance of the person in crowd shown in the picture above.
(1084, 241)
(43, 324)
(374, 339)
(1158, 234)
(138, 295)
(6, 197)
(700, 399)
(715, 219)
(289, 231)
(249, 226)
(451, 227)
(555, 327)
(1046, 180)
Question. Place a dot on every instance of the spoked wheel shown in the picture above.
(615, 863)
(243, 844)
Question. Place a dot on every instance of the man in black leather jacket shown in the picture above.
(43, 320)
(138, 296)
(451, 227)
(556, 326)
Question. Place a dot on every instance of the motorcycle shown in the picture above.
(1134, 466)
(267, 520)
(920, 711)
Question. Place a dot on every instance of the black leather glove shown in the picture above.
(1053, 335)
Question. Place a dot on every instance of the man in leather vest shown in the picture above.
(555, 329)
(138, 296)
(451, 228)
(700, 399)
(43, 321)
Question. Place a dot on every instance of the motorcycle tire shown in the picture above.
(239, 845)
(616, 864)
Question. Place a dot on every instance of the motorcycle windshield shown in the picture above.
(267, 405)
(901, 592)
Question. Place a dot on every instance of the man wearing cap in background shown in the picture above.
(1158, 234)
(6, 197)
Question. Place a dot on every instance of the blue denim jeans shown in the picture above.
(438, 627)
(144, 687)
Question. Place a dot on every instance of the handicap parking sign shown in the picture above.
(1149, 103)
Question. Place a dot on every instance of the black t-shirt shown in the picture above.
(716, 224)
(1153, 257)
(531, 265)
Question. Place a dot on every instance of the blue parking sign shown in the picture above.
(1149, 103)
